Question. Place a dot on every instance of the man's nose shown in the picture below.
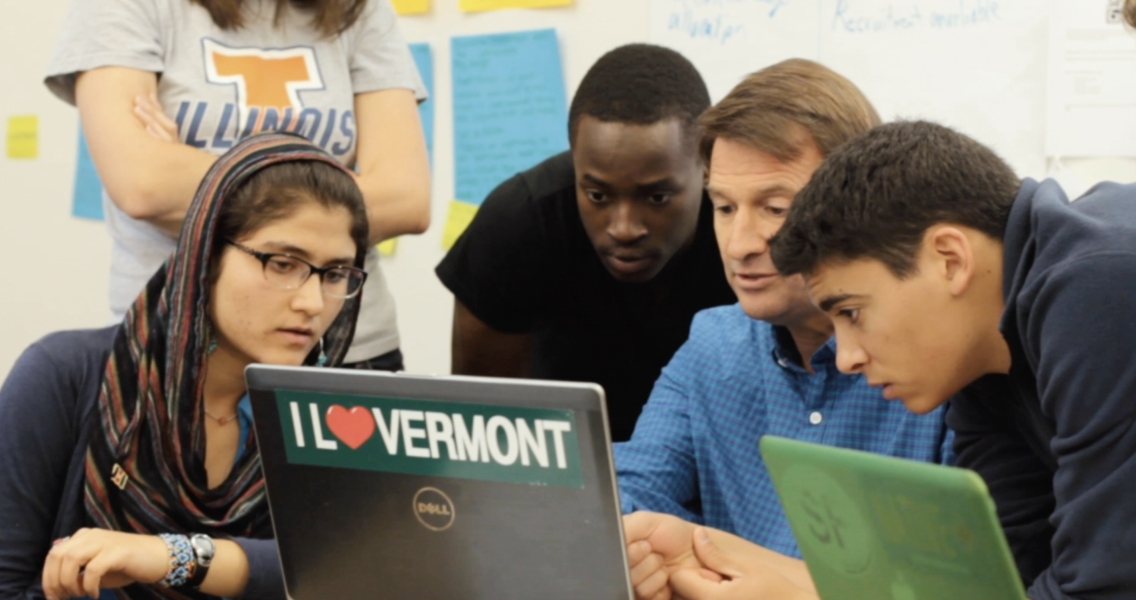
(748, 235)
(625, 226)
(850, 356)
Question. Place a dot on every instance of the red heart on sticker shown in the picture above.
(352, 427)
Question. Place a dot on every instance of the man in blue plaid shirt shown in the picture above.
(742, 372)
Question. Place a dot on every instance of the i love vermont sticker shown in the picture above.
(443, 439)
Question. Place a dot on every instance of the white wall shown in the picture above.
(54, 271)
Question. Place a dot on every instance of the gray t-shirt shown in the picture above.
(222, 85)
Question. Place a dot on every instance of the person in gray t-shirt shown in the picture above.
(344, 80)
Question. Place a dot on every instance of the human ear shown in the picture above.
(953, 255)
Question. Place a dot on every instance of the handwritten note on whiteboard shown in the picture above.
(728, 39)
(976, 65)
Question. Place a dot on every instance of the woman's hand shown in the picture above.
(98, 558)
(149, 111)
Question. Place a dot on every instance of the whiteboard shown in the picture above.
(978, 66)
(756, 33)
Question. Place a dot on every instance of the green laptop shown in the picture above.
(873, 527)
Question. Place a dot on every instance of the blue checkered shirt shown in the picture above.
(694, 452)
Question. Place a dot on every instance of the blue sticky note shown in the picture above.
(509, 107)
(87, 196)
(425, 63)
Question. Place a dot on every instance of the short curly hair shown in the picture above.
(876, 196)
(641, 84)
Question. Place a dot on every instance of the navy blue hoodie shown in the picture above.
(1055, 439)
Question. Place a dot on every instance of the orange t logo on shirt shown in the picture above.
(265, 79)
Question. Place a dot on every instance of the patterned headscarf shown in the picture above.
(145, 470)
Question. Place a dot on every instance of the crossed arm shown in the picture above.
(153, 177)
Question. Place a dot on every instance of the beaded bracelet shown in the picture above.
(183, 560)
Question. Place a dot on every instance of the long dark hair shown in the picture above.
(328, 16)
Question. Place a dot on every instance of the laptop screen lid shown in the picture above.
(402, 486)
(878, 527)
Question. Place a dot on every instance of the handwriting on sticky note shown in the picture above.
(411, 7)
(23, 136)
(458, 217)
(509, 107)
(480, 5)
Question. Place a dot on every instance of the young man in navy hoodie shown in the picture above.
(942, 271)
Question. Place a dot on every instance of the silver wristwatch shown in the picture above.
(204, 549)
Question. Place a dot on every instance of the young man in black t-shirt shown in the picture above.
(591, 265)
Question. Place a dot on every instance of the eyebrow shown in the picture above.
(666, 182)
(762, 194)
(774, 190)
(299, 252)
(830, 301)
(592, 179)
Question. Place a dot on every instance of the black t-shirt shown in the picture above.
(526, 265)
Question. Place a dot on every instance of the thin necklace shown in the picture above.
(220, 420)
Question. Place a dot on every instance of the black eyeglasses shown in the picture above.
(290, 272)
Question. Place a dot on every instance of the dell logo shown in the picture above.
(434, 509)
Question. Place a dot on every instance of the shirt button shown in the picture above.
(815, 418)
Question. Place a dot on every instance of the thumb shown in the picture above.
(692, 583)
(712, 557)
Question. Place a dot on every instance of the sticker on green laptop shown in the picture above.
(831, 526)
(443, 439)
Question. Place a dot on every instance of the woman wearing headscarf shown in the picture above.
(126, 452)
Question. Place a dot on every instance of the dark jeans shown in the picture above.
(391, 361)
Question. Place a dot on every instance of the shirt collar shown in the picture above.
(786, 355)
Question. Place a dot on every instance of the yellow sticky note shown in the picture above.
(458, 218)
(480, 5)
(23, 136)
(411, 7)
(387, 247)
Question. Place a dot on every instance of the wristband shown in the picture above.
(183, 560)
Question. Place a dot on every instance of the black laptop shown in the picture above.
(399, 486)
